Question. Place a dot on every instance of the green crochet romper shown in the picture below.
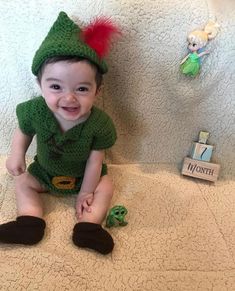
(63, 154)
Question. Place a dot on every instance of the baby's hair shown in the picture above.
(70, 59)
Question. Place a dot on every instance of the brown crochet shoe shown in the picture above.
(27, 230)
(92, 236)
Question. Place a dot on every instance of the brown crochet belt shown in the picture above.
(64, 182)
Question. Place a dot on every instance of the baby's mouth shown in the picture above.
(70, 109)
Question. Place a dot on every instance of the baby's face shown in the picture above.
(69, 89)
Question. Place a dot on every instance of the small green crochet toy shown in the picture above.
(116, 216)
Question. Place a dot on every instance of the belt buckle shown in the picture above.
(64, 182)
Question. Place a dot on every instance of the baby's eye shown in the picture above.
(82, 89)
(55, 87)
(194, 44)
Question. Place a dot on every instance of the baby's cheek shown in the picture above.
(51, 102)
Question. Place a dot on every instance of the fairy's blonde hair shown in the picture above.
(210, 31)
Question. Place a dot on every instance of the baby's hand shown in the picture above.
(15, 166)
(84, 201)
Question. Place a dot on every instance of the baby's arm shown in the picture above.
(16, 162)
(90, 181)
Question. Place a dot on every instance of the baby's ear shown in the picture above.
(38, 82)
(98, 90)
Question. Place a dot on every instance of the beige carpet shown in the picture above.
(180, 236)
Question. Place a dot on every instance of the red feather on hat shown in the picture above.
(98, 34)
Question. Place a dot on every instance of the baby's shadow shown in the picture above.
(130, 125)
(60, 205)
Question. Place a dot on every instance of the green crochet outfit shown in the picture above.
(64, 39)
(63, 154)
(61, 157)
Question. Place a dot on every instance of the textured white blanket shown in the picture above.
(180, 236)
(181, 231)
(158, 111)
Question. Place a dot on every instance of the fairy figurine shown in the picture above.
(197, 40)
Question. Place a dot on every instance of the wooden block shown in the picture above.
(200, 169)
(201, 152)
(203, 137)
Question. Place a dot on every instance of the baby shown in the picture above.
(72, 135)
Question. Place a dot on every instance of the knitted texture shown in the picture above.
(27, 230)
(64, 39)
(92, 236)
(63, 154)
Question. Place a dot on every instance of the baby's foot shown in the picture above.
(93, 236)
(26, 230)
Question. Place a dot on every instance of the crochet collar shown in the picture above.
(51, 126)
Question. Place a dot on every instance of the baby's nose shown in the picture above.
(70, 96)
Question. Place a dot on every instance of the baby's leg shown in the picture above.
(28, 199)
(102, 198)
(29, 226)
(88, 232)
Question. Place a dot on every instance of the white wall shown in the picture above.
(158, 111)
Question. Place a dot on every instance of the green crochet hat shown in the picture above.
(65, 38)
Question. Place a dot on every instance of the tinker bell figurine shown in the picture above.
(197, 41)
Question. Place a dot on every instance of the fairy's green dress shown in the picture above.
(191, 66)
